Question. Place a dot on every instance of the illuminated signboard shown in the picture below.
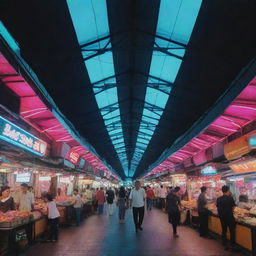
(208, 170)
(23, 177)
(14, 135)
(244, 167)
(73, 157)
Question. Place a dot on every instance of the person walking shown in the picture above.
(137, 202)
(110, 194)
(203, 213)
(100, 196)
(121, 203)
(225, 206)
(53, 218)
(163, 194)
(150, 197)
(173, 204)
(78, 203)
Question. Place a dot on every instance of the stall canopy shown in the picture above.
(133, 76)
(34, 111)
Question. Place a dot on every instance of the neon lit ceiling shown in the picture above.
(91, 23)
(175, 25)
(176, 21)
(240, 113)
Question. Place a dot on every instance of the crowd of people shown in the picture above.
(138, 199)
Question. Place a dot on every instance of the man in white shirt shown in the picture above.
(137, 202)
(25, 200)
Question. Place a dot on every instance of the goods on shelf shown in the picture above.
(14, 218)
(239, 212)
(189, 204)
(64, 200)
(40, 205)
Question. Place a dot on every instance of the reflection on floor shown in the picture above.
(104, 236)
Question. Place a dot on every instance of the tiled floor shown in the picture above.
(104, 236)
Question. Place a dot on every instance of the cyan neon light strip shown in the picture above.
(7, 36)
(90, 21)
(176, 22)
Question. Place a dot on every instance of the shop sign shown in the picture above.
(73, 157)
(23, 177)
(16, 136)
(208, 170)
(244, 167)
(237, 148)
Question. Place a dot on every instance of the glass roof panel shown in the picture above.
(107, 97)
(100, 67)
(177, 18)
(156, 97)
(164, 66)
(90, 20)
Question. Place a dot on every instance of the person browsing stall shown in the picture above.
(225, 206)
(203, 213)
(6, 201)
(53, 218)
(25, 199)
(137, 202)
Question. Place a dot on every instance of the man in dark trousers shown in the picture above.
(173, 207)
(203, 213)
(137, 202)
(225, 206)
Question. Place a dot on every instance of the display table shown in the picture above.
(66, 214)
(40, 226)
(245, 234)
(13, 239)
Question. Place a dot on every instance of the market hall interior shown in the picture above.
(112, 109)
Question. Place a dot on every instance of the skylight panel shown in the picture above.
(175, 24)
(89, 18)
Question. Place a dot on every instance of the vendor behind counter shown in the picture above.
(6, 201)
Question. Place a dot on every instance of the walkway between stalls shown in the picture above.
(104, 236)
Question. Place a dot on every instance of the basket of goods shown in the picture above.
(25, 215)
(189, 204)
(240, 213)
(7, 222)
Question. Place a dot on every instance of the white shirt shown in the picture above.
(137, 197)
(53, 212)
(78, 201)
(163, 193)
(5, 199)
(25, 201)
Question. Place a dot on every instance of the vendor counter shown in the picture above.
(245, 234)
(16, 238)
